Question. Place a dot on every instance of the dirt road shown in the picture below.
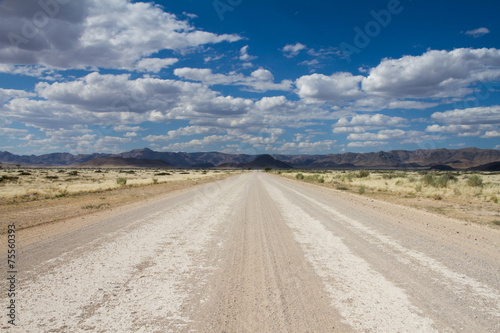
(259, 253)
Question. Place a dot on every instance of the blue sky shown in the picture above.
(241, 76)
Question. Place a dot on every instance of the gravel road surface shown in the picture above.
(257, 253)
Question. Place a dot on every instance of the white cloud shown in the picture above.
(480, 115)
(154, 64)
(8, 94)
(244, 56)
(125, 128)
(435, 74)
(306, 146)
(491, 134)
(12, 132)
(361, 123)
(183, 131)
(292, 50)
(335, 88)
(93, 33)
(116, 99)
(477, 32)
(259, 80)
(398, 135)
(367, 143)
(460, 130)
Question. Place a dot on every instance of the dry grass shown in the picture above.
(477, 193)
(19, 185)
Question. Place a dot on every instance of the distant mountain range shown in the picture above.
(120, 162)
(441, 159)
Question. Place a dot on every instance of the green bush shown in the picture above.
(429, 179)
(363, 173)
(155, 180)
(299, 176)
(122, 181)
(475, 180)
(267, 169)
(321, 180)
(361, 189)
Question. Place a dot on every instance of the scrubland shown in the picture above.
(472, 196)
(18, 185)
(33, 197)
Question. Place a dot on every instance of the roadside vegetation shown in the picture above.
(477, 192)
(21, 185)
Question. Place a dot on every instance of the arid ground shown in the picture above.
(257, 252)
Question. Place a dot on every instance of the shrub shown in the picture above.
(162, 174)
(418, 188)
(392, 174)
(361, 189)
(321, 180)
(267, 169)
(299, 176)
(437, 197)
(155, 180)
(475, 180)
(122, 181)
(73, 173)
(363, 173)
(342, 187)
(429, 179)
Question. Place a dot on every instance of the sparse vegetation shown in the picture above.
(460, 189)
(46, 183)
(122, 181)
(363, 173)
(361, 189)
(474, 181)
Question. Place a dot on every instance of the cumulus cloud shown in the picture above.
(367, 143)
(334, 88)
(292, 50)
(477, 32)
(435, 74)
(92, 33)
(259, 80)
(183, 131)
(125, 128)
(399, 135)
(116, 99)
(361, 123)
(8, 94)
(478, 115)
(154, 64)
(491, 134)
(471, 122)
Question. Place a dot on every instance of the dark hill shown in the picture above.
(495, 166)
(260, 162)
(266, 161)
